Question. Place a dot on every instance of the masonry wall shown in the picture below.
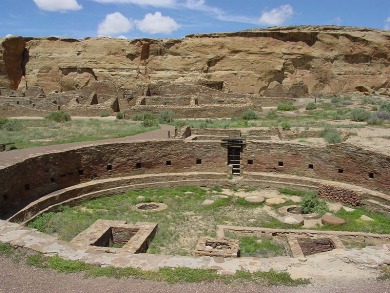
(341, 162)
(24, 182)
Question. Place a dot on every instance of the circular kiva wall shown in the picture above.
(36, 183)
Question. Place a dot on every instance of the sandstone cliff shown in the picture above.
(276, 62)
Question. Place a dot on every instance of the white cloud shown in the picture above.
(114, 24)
(387, 23)
(155, 3)
(58, 5)
(338, 21)
(277, 16)
(157, 24)
(8, 36)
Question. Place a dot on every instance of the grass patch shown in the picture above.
(385, 273)
(286, 107)
(169, 275)
(253, 246)
(296, 192)
(6, 249)
(380, 225)
(46, 132)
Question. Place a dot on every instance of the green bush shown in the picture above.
(166, 117)
(286, 107)
(3, 121)
(331, 135)
(149, 122)
(271, 115)
(104, 113)
(311, 106)
(286, 125)
(12, 125)
(374, 120)
(385, 106)
(360, 115)
(249, 115)
(120, 115)
(312, 204)
(59, 116)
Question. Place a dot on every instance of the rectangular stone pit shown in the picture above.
(117, 236)
(223, 247)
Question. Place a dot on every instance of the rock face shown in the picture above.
(277, 62)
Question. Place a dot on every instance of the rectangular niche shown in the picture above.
(199, 161)
(250, 162)
(224, 247)
(115, 236)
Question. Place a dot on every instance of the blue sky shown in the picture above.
(177, 18)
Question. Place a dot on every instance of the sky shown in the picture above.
(177, 18)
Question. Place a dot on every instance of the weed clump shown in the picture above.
(286, 107)
(249, 115)
(331, 135)
(360, 115)
(312, 204)
(311, 106)
(59, 116)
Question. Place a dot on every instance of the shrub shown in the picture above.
(311, 106)
(312, 204)
(385, 106)
(383, 115)
(374, 120)
(138, 117)
(360, 115)
(149, 122)
(286, 125)
(120, 115)
(12, 125)
(271, 115)
(331, 135)
(59, 116)
(104, 113)
(166, 117)
(286, 107)
(3, 120)
(249, 115)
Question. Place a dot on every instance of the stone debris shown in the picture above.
(294, 220)
(332, 220)
(208, 202)
(339, 194)
(366, 218)
(254, 199)
(274, 201)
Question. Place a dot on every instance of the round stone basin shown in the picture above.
(151, 206)
(297, 210)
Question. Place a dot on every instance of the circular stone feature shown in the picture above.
(150, 206)
(297, 210)
(274, 201)
(332, 220)
(294, 220)
(254, 199)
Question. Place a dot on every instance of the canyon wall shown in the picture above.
(276, 62)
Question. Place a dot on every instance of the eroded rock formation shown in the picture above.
(277, 62)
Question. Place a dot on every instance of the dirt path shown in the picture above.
(20, 278)
(12, 157)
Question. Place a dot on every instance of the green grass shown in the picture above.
(185, 219)
(6, 249)
(35, 132)
(380, 225)
(253, 246)
(165, 274)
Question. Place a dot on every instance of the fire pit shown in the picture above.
(151, 206)
(224, 247)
